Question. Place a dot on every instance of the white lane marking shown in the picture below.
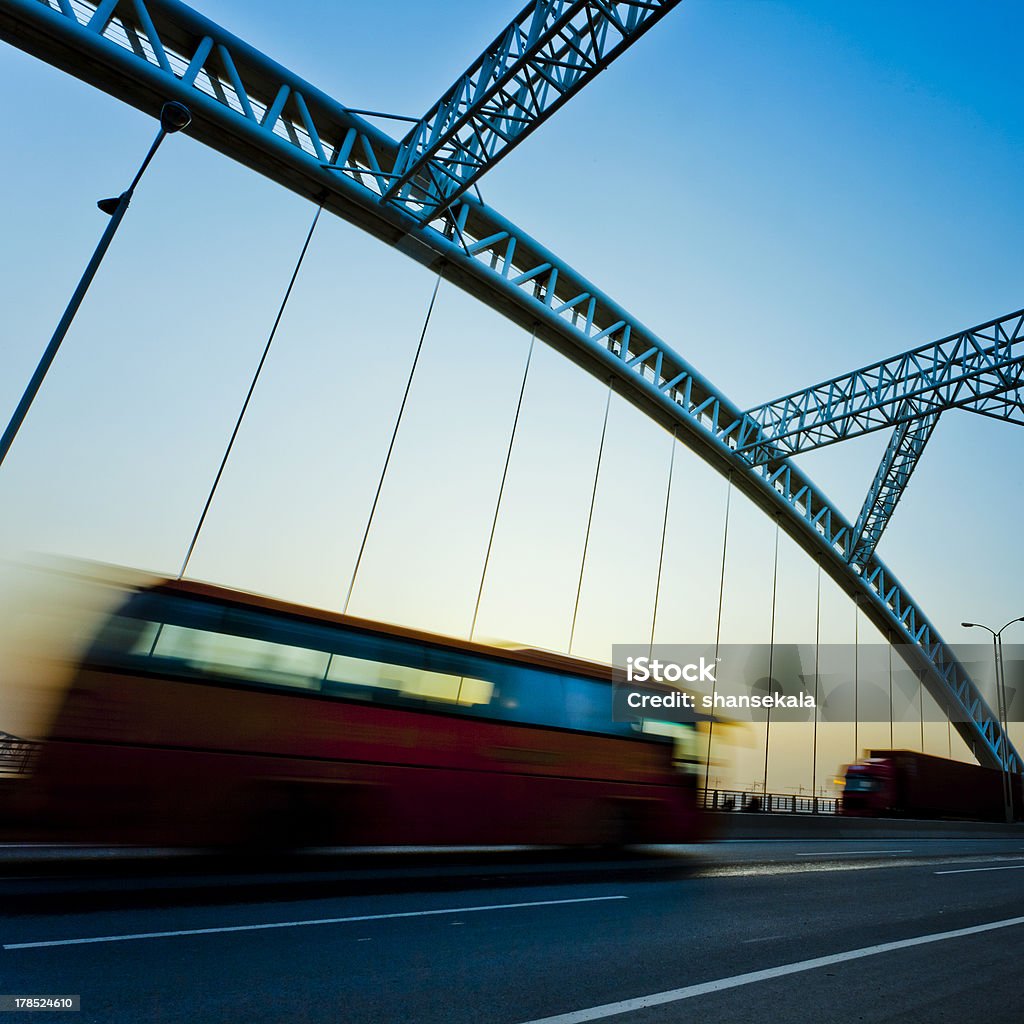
(747, 869)
(706, 988)
(853, 853)
(967, 871)
(301, 924)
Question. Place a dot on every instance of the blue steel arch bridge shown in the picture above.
(419, 194)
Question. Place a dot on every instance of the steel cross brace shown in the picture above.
(980, 369)
(546, 55)
(900, 458)
(252, 109)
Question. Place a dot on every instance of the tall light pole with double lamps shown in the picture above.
(173, 117)
(997, 651)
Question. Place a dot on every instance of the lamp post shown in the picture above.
(173, 118)
(997, 652)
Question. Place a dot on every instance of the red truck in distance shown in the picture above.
(906, 784)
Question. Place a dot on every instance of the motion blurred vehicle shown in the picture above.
(206, 716)
(904, 783)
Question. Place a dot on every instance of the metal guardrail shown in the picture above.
(767, 803)
(16, 755)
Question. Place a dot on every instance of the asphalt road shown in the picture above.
(863, 931)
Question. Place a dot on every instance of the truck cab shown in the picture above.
(870, 788)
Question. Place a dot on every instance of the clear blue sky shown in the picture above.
(782, 190)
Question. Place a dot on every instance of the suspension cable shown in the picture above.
(771, 659)
(501, 487)
(249, 394)
(891, 715)
(661, 550)
(391, 444)
(718, 623)
(856, 677)
(817, 663)
(590, 515)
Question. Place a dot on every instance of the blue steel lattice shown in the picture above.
(898, 463)
(545, 56)
(980, 369)
(247, 106)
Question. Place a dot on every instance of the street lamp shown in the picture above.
(173, 118)
(997, 651)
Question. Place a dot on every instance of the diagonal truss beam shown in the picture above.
(546, 55)
(1008, 407)
(898, 463)
(981, 369)
(250, 108)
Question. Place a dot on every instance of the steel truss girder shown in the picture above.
(546, 55)
(1007, 408)
(317, 148)
(980, 369)
(898, 463)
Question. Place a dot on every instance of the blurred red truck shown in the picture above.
(906, 784)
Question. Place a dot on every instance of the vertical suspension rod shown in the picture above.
(661, 550)
(771, 661)
(718, 624)
(590, 516)
(391, 444)
(501, 487)
(817, 659)
(249, 394)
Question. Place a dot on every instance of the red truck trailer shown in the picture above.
(906, 784)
